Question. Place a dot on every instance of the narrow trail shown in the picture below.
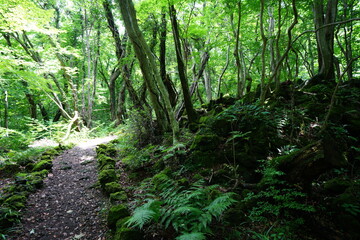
(68, 207)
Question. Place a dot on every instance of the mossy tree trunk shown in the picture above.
(325, 37)
(158, 94)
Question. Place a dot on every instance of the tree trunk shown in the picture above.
(240, 81)
(112, 91)
(263, 59)
(207, 83)
(43, 111)
(121, 110)
(30, 98)
(158, 93)
(325, 38)
(169, 85)
(192, 115)
(223, 72)
(193, 87)
(6, 110)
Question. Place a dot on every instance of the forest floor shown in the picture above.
(69, 206)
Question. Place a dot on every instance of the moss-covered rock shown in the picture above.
(107, 176)
(115, 213)
(118, 196)
(106, 149)
(112, 187)
(44, 164)
(205, 158)
(51, 152)
(206, 142)
(123, 232)
(43, 173)
(105, 162)
(16, 201)
(8, 217)
(336, 186)
(46, 157)
(9, 170)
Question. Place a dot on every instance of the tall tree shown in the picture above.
(157, 90)
(325, 13)
(192, 115)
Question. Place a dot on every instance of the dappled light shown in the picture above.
(179, 120)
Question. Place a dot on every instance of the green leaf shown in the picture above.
(192, 236)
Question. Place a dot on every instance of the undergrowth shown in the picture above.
(189, 211)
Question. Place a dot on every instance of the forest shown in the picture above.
(219, 119)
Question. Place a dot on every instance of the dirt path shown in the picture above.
(68, 207)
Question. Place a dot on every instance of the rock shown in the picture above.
(205, 142)
(336, 186)
(115, 213)
(106, 149)
(9, 170)
(125, 233)
(118, 196)
(105, 162)
(16, 201)
(44, 164)
(50, 152)
(112, 187)
(8, 218)
(107, 176)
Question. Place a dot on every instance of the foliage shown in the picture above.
(142, 128)
(12, 140)
(190, 211)
(277, 200)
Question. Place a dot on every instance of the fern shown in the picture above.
(220, 204)
(189, 211)
(191, 236)
(146, 213)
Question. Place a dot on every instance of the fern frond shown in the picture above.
(140, 218)
(191, 236)
(188, 210)
(220, 204)
(144, 214)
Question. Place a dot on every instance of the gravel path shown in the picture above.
(68, 207)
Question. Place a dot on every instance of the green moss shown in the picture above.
(118, 196)
(105, 162)
(9, 170)
(115, 213)
(8, 217)
(128, 234)
(122, 222)
(112, 187)
(183, 182)
(106, 149)
(51, 152)
(43, 173)
(16, 201)
(107, 176)
(206, 142)
(44, 164)
(205, 158)
(46, 157)
(336, 186)
(125, 233)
